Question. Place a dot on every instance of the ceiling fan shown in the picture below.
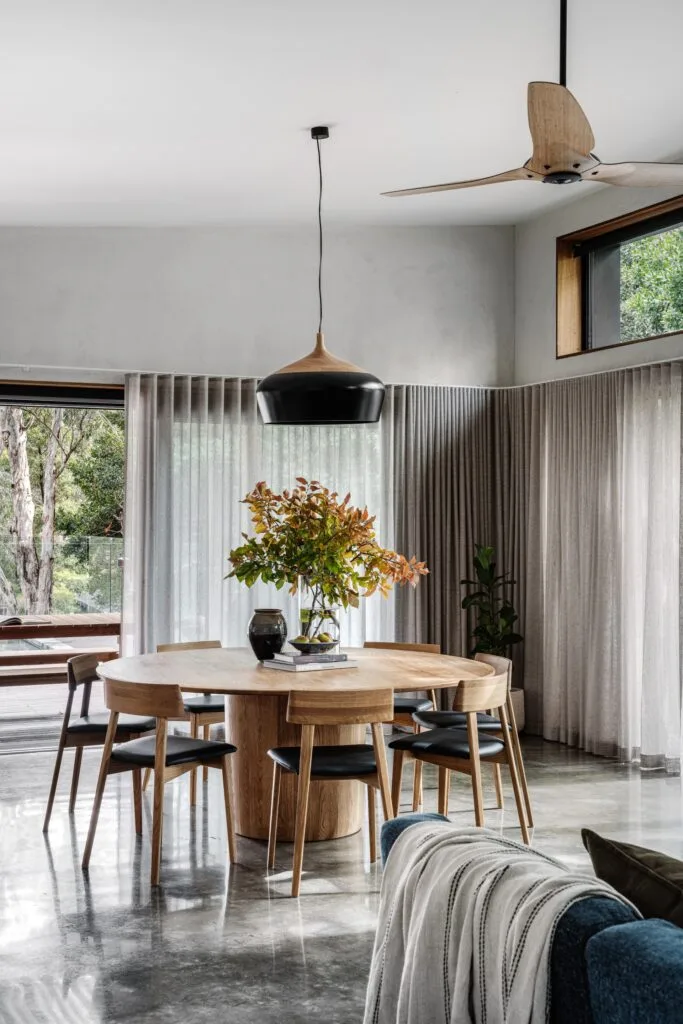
(563, 144)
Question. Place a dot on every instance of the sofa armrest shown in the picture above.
(392, 829)
(635, 973)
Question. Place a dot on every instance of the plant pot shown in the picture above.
(267, 632)
(517, 697)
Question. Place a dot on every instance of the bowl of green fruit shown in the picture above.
(321, 644)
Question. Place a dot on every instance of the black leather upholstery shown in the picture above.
(409, 705)
(214, 702)
(447, 743)
(179, 750)
(456, 720)
(342, 762)
(99, 723)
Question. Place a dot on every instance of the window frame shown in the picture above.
(572, 279)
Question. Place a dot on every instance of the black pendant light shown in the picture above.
(320, 388)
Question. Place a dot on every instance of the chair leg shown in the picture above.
(194, 733)
(53, 785)
(99, 791)
(305, 759)
(74, 779)
(58, 760)
(274, 811)
(497, 778)
(206, 734)
(158, 804)
(137, 799)
(396, 780)
(382, 771)
(516, 788)
(517, 747)
(372, 824)
(417, 778)
(442, 794)
(147, 776)
(475, 769)
(229, 817)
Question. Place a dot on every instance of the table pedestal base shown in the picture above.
(257, 723)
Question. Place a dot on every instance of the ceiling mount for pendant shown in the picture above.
(320, 388)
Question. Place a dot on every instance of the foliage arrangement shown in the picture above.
(308, 537)
(495, 615)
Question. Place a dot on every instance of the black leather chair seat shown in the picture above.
(214, 702)
(410, 705)
(445, 742)
(99, 723)
(456, 720)
(179, 750)
(342, 762)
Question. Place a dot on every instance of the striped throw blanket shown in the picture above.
(466, 925)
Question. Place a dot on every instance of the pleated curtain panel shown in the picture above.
(577, 483)
(195, 448)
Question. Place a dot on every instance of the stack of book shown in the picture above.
(296, 662)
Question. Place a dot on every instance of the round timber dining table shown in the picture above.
(256, 720)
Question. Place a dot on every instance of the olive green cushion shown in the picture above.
(652, 881)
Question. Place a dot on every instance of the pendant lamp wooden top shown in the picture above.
(320, 360)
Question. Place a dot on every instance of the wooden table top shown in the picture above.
(236, 671)
(34, 626)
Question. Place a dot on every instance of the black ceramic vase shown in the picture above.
(267, 632)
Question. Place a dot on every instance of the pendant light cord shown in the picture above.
(320, 237)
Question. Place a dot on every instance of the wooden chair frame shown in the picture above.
(81, 671)
(473, 696)
(165, 702)
(310, 709)
(407, 720)
(198, 720)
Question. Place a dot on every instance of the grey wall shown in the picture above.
(413, 305)
(535, 290)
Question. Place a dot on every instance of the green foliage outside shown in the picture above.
(652, 285)
(88, 533)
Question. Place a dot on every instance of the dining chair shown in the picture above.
(362, 761)
(201, 712)
(406, 707)
(464, 750)
(489, 724)
(88, 730)
(168, 756)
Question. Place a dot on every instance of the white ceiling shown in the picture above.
(194, 111)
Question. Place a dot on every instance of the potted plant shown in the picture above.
(308, 537)
(495, 615)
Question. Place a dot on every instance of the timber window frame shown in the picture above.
(573, 280)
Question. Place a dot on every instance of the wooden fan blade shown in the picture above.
(640, 175)
(519, 174)
(561, 134)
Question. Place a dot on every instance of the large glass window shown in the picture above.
(622, 281)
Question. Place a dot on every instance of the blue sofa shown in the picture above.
(607, 965)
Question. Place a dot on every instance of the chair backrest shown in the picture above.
(340, 707)
(417, 648)
(160, 700)
(190, 645)
(484, 694)
(82, 669)
(498, 663)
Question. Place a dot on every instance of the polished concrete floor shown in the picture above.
(217, 945)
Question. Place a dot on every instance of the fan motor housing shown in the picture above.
(561, 178)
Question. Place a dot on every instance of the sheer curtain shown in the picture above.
(591, 523)
(195, 447)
